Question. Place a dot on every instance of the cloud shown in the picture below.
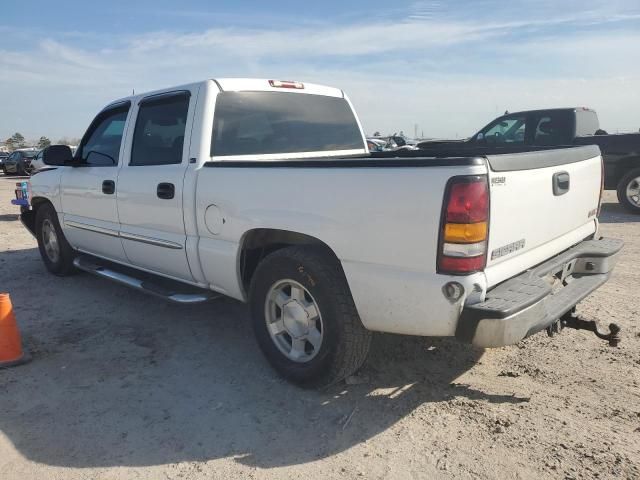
(448, 71)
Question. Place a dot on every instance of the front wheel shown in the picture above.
(304, 317)
(55, 251)
(629, 191)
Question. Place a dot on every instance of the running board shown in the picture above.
(163, 288)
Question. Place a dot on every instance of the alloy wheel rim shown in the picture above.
(633, 191)
(50, 241)
(294, 321)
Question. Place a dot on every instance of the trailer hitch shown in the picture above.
(570, 320)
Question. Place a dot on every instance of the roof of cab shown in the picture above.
(264, 85)
(557, 109)
(241, 85)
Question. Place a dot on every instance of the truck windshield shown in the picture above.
(255, 123)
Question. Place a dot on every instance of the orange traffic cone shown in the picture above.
(11, 353)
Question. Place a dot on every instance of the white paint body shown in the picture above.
(383, 224)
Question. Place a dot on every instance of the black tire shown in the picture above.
(62, 264)
(345, 342)
(631, 176)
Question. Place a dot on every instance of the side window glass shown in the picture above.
(552, 129)
(506, 131)
(159, 135)
(102, 147)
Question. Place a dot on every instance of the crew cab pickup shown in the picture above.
(264, 191)
(539, 129)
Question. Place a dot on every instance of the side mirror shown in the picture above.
(480, 137)
(57, 155)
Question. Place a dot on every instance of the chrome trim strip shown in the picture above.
(151, 241)
(127, 236)
(92, 228)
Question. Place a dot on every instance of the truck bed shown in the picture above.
(380, 214)
(499, 158)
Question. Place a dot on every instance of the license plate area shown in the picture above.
(566, 271)
(22, 195)
(561, 276)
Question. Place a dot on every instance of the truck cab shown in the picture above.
(543, 128)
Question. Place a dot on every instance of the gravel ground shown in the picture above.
(125, 386)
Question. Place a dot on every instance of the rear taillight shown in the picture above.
(465, 226)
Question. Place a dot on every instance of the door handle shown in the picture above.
(166, 191)
(109, 187)
(561, 183)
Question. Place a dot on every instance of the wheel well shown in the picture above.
(29, 216)
(623, 168)
(259, 243)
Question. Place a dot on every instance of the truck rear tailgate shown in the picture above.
(541, 204)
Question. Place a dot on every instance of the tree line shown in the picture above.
(17, 141)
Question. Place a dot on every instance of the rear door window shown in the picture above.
(159, 135)
(255, 123)
(552, 128)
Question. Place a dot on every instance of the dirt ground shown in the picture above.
(124, 386)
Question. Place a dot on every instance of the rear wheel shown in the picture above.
(55, 251)
(629, 191)
(304, 317)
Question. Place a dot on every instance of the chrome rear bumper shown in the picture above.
(533, 300)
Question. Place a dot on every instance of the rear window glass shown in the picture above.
(587, 123)
(254, 123)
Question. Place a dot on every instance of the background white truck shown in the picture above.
(264, 191)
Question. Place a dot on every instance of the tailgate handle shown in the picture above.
(561, 183)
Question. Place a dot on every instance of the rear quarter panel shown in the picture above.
(619, 152)
(382, 224)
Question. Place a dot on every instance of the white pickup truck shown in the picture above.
(264, 191)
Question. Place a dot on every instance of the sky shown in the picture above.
(443, 69)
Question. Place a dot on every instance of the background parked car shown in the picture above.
(19, 162)
(391, 143)
(38, 164)
(3, 156)
(376, 145)
(539, 129)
